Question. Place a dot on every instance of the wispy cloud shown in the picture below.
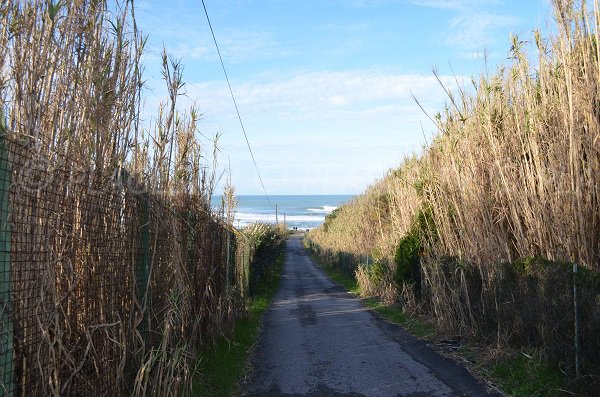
(456, 4)
(352, 28)
(241, 46)
(475, 23)
(235, 46)
(362, 94)
(299, 123)
(477, 29)
(442, 4)
(187, 36)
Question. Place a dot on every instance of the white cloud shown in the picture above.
(186, 35)
(323, 95)
(475, 25)
(308, 130)
(235, 47)
(188, 51)
(244, 46)
(442, 4)
(345, 28)
(338, 100)
(477, 30)
(461, 5)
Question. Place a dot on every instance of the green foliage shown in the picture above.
(534, 266)
(342, 278)
(394, 313)
(377, 254)
(424, 224)
(589, 278)
(410, 247)
(382, 201)
(407, 259)
(329, 218)
(419, 186)
(2, 122)
(264, 235)
(54, 9)
(528, 376)
(375, 272)
(530, 264)
(222, 365)
(268, 241)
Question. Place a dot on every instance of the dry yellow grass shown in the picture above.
(119, 268)
(512, 173)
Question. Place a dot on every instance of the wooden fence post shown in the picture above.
(6, 323)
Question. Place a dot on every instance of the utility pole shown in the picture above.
(276, 215)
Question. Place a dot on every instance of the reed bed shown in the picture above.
(115, 270)
(502, 202)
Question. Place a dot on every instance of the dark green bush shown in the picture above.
(329, 218)
(407, 260)
(410, 247)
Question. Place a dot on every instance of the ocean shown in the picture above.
(301, 211)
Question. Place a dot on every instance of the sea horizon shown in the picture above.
(302, 211)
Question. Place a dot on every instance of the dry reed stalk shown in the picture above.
(527, 158)
(511, 174)
(118, 262)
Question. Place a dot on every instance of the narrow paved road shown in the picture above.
(318, 340)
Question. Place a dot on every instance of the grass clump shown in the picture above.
(340, 277)
(222, 365)
(375, 272)
(529, 376)
(395, 314)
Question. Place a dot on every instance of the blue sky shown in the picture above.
(324, 86)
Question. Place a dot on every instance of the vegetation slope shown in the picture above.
(481, 231)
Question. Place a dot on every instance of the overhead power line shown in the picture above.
(237, 110)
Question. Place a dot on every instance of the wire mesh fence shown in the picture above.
(546, 306)
(105, 288)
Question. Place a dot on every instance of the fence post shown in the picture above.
(6, 323)
(142, 271)
(576, 322)
(247, 261)
(228, 254)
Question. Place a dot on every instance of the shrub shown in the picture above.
(407, 260)
(373, 278)
(329, 218)
(408, 250)
(268, 242)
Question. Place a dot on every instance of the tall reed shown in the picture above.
(511, 176)
(120, 269)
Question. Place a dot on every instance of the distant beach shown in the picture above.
(297, 211)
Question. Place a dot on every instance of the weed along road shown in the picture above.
(318, 340)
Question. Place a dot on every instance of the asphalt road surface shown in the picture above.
(318, 340)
